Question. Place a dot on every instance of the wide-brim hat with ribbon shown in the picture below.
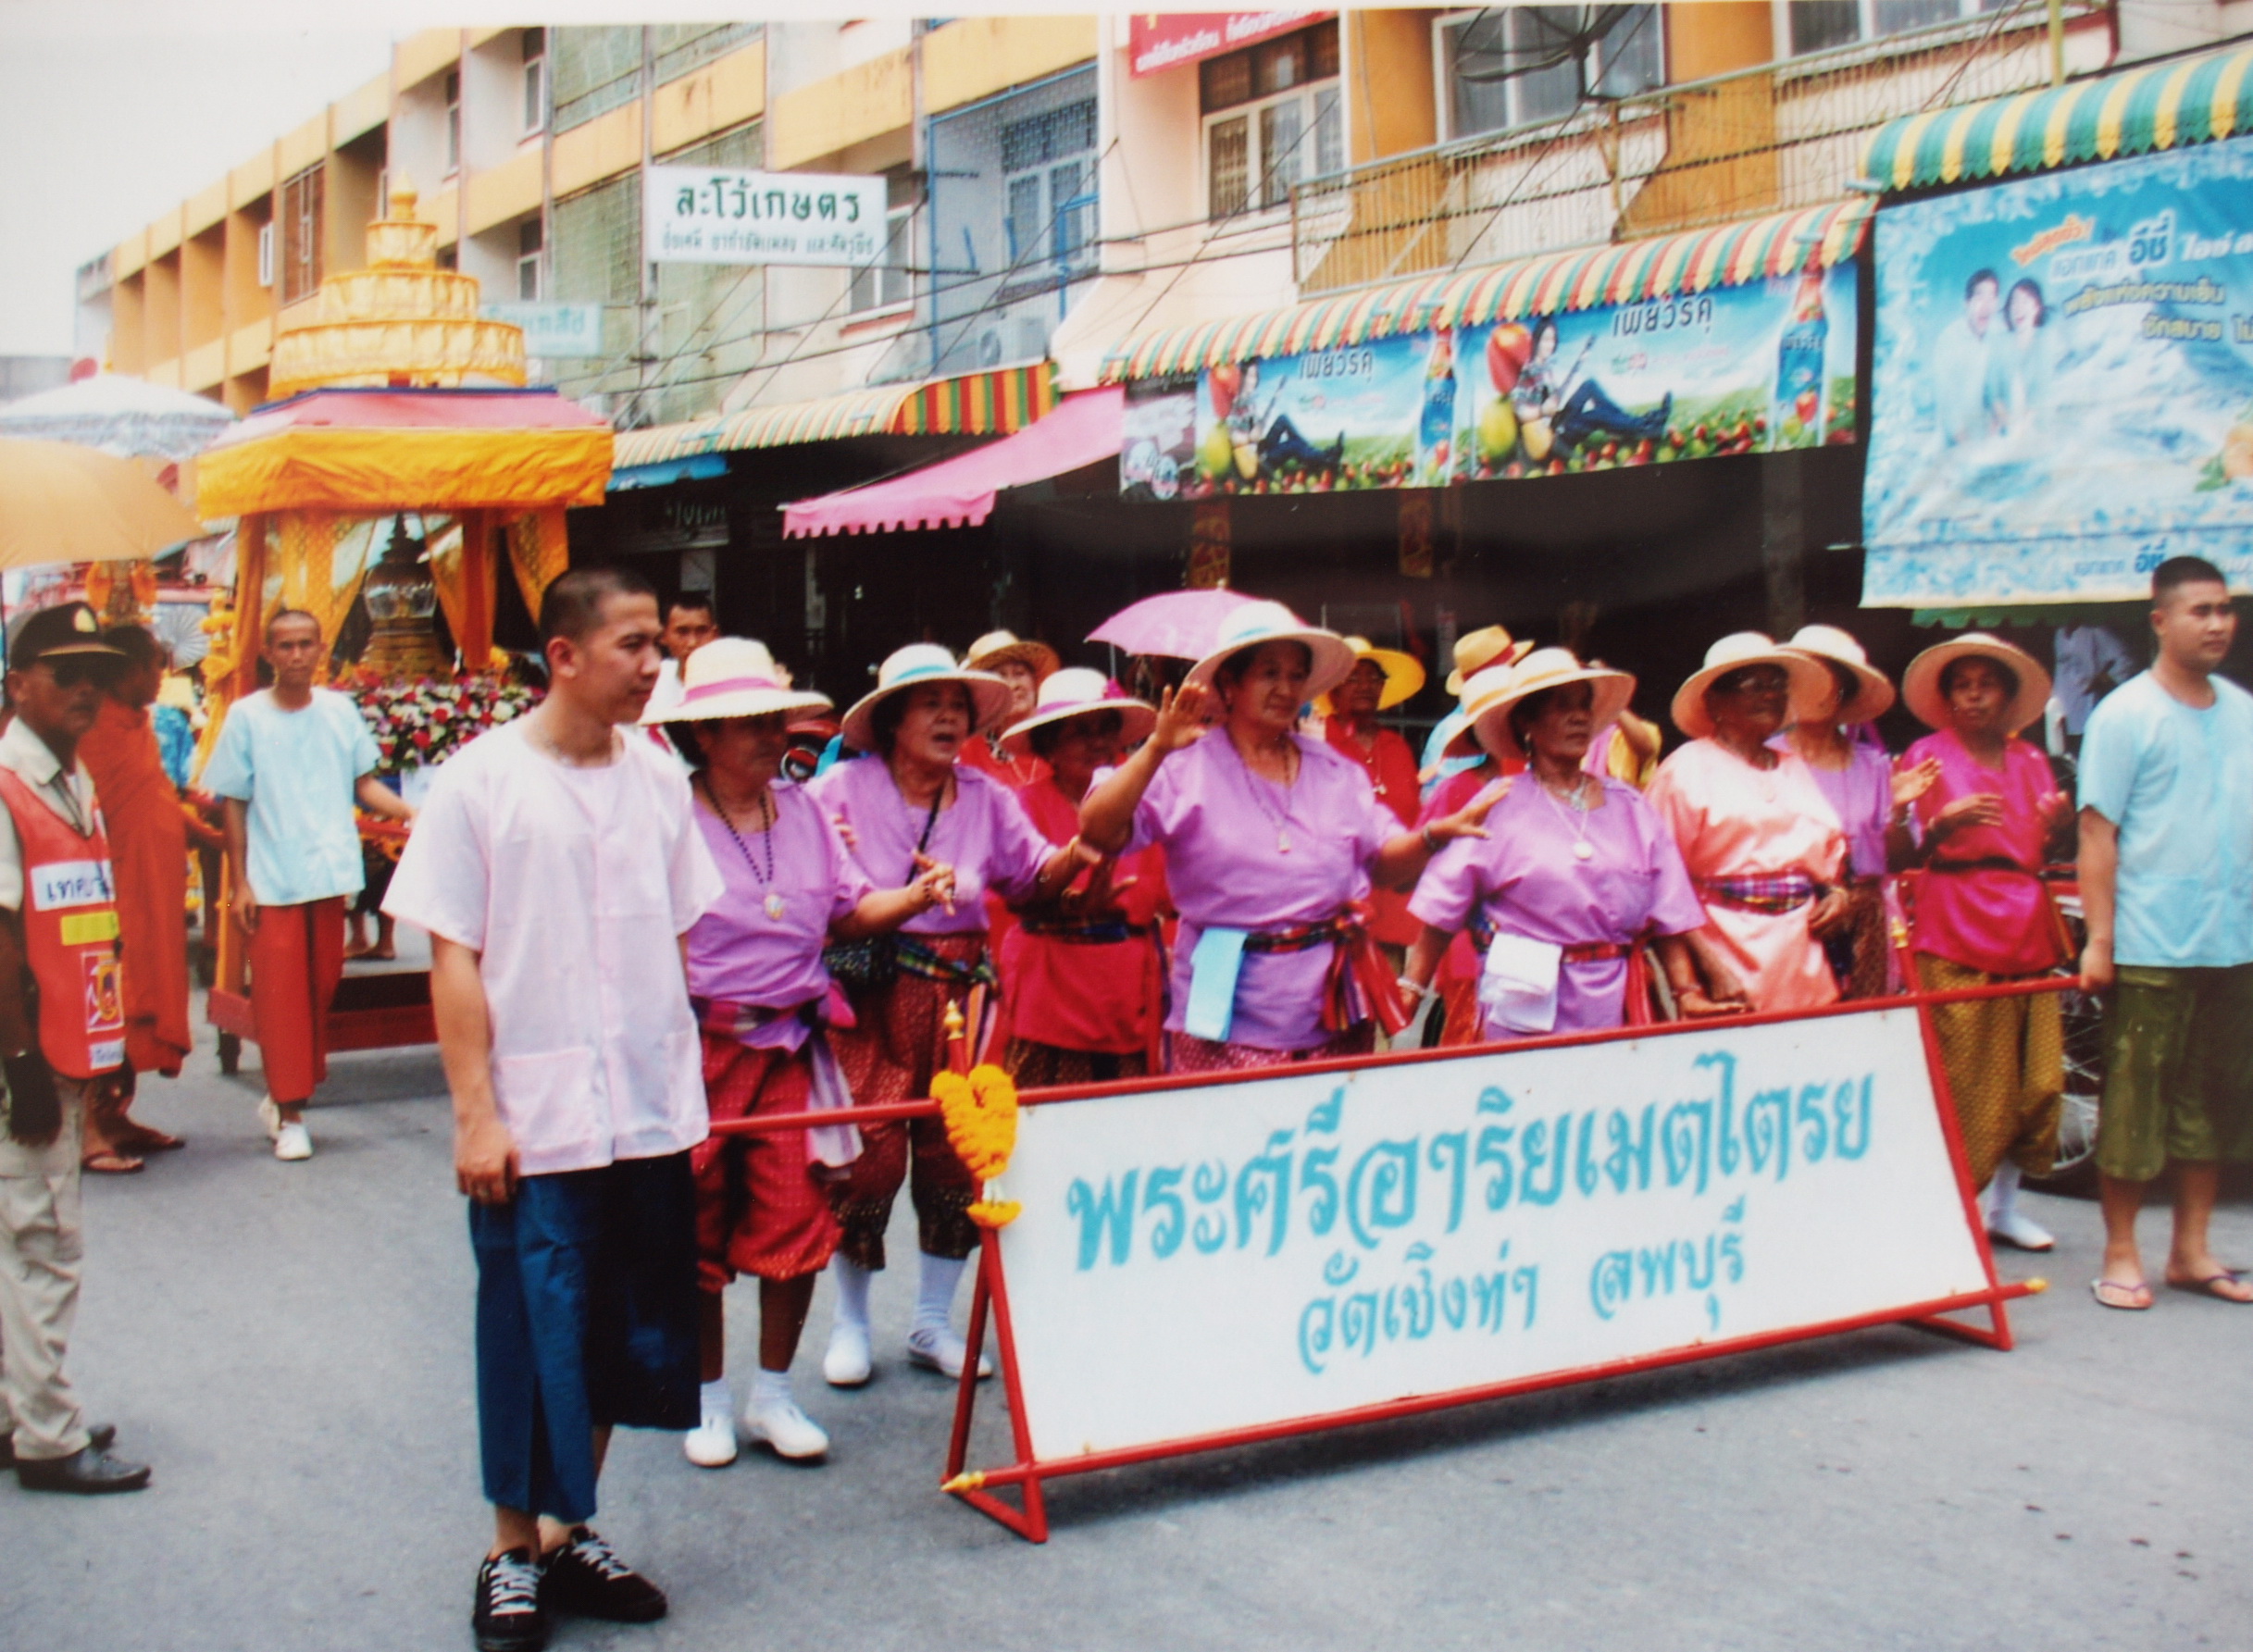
(1809, 678)
(1247, 628)
(1873, 696)
(1921, 682)
(1476, 651)
(921, 663)
(1494, 692)
(734, 676)
(1403, 674)
(1076, 692)
(997, 648)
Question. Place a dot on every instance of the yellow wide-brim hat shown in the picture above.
(1403, 674)
(1809, 678)
(1921, 682)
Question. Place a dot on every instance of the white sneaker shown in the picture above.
(294, 1142)
(269, 1114)
(848, 1362)
(943, 1352)
(2019, 1232)
(789, 1431)
(711, 1444)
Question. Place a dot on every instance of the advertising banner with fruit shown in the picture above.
(1752, 368)
(2063, 384)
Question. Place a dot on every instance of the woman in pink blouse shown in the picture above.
(763, 1001)
(907, 804)
(1273, 841)
(1982, 833)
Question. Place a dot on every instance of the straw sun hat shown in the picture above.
(1255, 623)
(997, 648)
(734, 676)
(1921, 682)
(1495, 691)
(1403, 674)
(926, 663)
(1076, 692)
(1809, 678)
(1873, 697)
(1476, 651)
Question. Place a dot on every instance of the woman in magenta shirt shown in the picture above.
(1983, 831)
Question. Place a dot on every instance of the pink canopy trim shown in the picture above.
(958, 492)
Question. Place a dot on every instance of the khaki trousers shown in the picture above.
(41, 1244)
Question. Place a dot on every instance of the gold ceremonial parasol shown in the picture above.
(62, 503)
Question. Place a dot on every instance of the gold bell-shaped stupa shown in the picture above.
(401, 323)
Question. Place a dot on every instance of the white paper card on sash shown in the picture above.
(1517, 990)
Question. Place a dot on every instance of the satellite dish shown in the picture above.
(1490, 50)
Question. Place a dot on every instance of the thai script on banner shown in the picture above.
(2063, 375)
(1158, 40)
(697, 214)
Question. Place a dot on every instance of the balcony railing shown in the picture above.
(1783, 136)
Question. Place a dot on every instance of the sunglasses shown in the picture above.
(71, 671)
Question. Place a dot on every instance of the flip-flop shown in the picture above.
(2099, 1286)
(110, 1164)
(2204, 1288)
(140, 1138)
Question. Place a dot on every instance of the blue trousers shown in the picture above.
(586, 1319)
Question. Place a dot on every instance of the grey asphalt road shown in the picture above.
(289, 1346)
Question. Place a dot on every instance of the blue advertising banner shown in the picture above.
(2062, 384)
(1758, 368)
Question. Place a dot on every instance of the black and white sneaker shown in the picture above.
(508, 1616)
(587, 1578)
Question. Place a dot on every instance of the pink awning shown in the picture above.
(958, 492)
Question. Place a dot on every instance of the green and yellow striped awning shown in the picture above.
(991, 403)
(2161, 105)
(1586, 278)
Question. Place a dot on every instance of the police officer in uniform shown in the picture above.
(62, 1025)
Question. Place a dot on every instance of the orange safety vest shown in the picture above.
(69, 915)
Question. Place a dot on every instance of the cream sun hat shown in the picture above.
(999, 647)
(1476, 651)
(1809, 678)
(1076, 692)
(733, 677)
(1255, 623)
(1873, 696)
(926, 663)
(1921, 682)
(1490, 704)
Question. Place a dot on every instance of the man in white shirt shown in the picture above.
(289, 763)
(558, 870)
(689, 625)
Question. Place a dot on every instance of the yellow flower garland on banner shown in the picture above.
(980, 1111)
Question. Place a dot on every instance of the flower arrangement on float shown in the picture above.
(419, 723)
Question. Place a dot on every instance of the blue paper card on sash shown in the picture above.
(1214, 967)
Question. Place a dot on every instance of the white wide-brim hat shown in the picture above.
(1247, 628)
(1873, 698)
(1921, 682)
(1403, 674)
(1809, 678)
(921, 663)
(1495, 691)
(734, 676)
(1076, 692)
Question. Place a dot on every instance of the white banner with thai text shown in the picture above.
(1201, 1259)
(701, 215)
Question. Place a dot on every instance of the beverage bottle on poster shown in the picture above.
(1802, 373)
(1436, 429)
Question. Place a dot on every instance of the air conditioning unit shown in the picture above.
(266, 255)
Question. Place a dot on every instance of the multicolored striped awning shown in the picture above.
(993, 403)
(2161, 105)
(1586, 278)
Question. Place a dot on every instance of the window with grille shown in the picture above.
(881, 286)
(592, 71)
(678, 49)
(529, 239)
(301, 235)
(1273, 115)
(453, 122)
(1520, 66)
(1817, 25)
(535, 85)
(1048, 180)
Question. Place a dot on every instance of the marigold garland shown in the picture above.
(980, 1111)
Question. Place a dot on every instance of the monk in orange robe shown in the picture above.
(148, 847)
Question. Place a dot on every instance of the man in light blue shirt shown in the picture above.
(289, 764)
(2167, 883)
(1960, 362)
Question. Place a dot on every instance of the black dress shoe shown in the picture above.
(99, 1436)
(87, 1472)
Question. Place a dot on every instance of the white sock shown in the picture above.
(851, 1291)
(2002, 1193)
(770, 1387)
(717, 1400)
(935, 1300)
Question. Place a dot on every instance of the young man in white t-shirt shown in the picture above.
(558, 869)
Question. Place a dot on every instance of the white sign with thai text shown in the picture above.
(1200, 1259)
(701, 215)
(553, 330)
